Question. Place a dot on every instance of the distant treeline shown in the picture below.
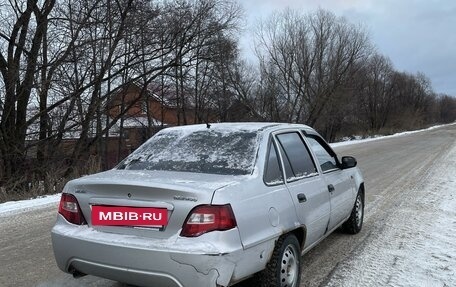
(60, 62)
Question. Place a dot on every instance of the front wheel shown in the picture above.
(284, 268)
(355, 222)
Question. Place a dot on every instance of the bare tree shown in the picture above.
(376, 91)
(22, 36)
(210, 44)
(446, 109)
(309, 57)
(412, 96)
(61, 62)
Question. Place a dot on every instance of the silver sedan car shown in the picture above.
(209, 205)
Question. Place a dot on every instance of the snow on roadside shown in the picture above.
(375, 138)
(15, 207)
(416, 245)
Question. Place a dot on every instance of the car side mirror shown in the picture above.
(348, 162)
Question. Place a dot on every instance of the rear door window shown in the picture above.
(297, 159)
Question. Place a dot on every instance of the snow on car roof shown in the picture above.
(246, 126)
(225, 126)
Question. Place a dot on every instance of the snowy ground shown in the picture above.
(379, 137)
(414, 246)
(14, 207)
(417, 244)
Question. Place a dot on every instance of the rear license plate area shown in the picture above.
(148, 217)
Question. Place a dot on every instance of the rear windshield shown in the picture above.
(204, 151)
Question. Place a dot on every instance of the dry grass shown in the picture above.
(50, 181)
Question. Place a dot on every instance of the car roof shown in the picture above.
(249, 126)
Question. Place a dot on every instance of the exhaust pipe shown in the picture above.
(76, 274)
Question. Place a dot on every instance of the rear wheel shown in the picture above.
(354, 224)
(284, 268)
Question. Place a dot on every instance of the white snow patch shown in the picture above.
(20, 206)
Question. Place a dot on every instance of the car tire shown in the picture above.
(284, 268)
(354, 223)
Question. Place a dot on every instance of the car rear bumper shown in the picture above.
(147, 261)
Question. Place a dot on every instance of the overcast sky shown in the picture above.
(417, 35)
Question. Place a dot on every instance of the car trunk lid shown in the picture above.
(176, 192)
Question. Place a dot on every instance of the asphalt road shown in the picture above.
(391, 167)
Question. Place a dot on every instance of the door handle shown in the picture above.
(302, 197)
(331, 188)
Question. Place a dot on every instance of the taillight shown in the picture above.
(69, 208)
(207, 218)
